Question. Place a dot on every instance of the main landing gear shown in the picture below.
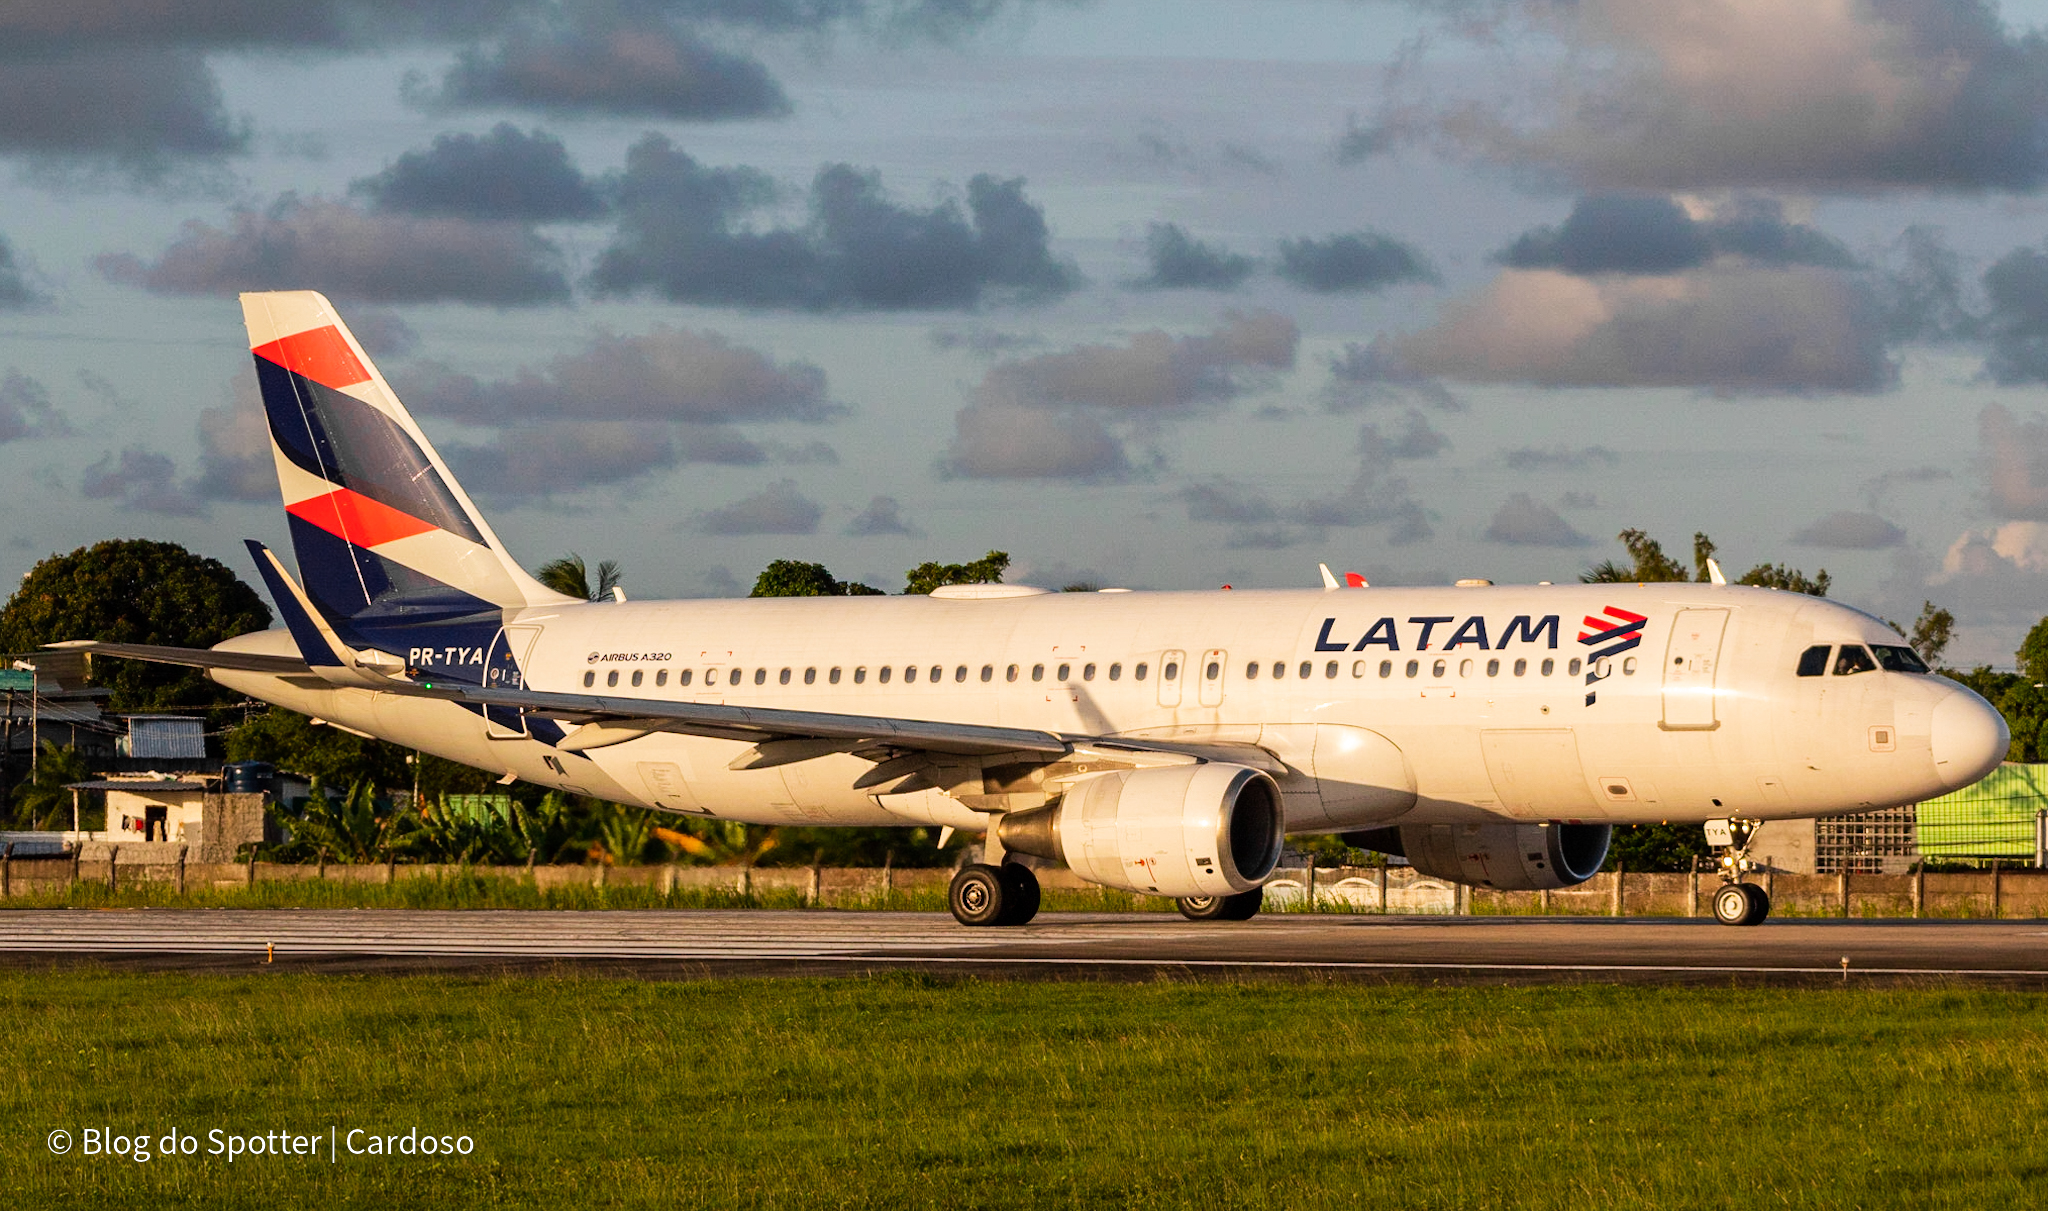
(1241, 907)
(1736, 902)
(993, 895)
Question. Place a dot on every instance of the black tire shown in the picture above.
(977, 895)
(1760, 902)
(1020, 894)
(1241, 907)
(1741, 904)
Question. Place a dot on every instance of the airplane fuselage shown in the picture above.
(1571, 703)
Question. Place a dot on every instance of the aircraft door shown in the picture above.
(1691, 666)
(1172, 667)
(506, 668)
(1214, 662)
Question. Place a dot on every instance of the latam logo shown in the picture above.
(1609, 633)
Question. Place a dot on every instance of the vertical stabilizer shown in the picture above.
(383, 533)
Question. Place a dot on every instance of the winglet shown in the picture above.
(1329, 581)
(1714, 572)
(317, 641)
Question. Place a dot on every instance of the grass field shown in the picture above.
(903, 1091)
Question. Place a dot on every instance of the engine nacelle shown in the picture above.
(1505, 857)
(1180, 830)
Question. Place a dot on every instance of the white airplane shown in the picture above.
(1163, 743)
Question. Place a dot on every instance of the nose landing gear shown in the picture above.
(1736, 902)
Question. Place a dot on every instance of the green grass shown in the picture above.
(905, 1091)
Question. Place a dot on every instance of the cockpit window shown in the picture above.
(1814, 661)
(1895, 658)
(1853, 658)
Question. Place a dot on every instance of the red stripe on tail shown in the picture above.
(319, 354)
(357, 518)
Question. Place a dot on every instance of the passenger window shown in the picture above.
(589, 679)
(612, 678)
(1571, 669)
(810, 676)
(1814, 660)
(1628, 667)
(881, 675)
(1116, 672)
(1894, 659)
(1549, 666)
(1493, 668)
(1215, 670)
(1138, 674)
(959, 674)
(639, 675)
(1251, 671)
(1438, 669)
(1064, 670)
(1330, 669)
(1010, 674)
(1386, 668)
(1038, 672)
(782, 678)
(988, 672)
(939, 674)
(661, 677)
(1307, 669)
(860, 674)
(760, 676)
(909, 673)
(1413, 667)
(1853, 658)
(733, 678)
(1088, 672)
(1464, 668)
(1521, 667)
(1172, 671)
(833, 676)
(683, 678)
(1279, 670)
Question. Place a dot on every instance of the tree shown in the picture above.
(794, 578)
(1931, 633)
(1667, 847)
(2033, 653)
(1650, 565)
(569, 575)
(1792, 580)
(928, 576)
(46, 801)
(132, 590)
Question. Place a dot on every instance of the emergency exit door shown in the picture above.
(1692, 665)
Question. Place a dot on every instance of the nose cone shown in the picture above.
(1969, 738)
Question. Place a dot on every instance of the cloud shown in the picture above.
(1364, 375)
(776, 509)
(1846, 531)
(1373, 496)
(1152, 371)
(998, 442)
(666, 374)
(141, 110)
(1562, 458)
(1631, 233)
(1359, 261)
(353, 254)
(235, 461)
(26, 410)
(561, 458)
(1726, 329)
(2016, 453)
(681, 235)
(882, 516)
(383, 334)
(1678, 95)
(1924, 290)
(1521, 522)
(633, 67)
(142, 481)
(17, 293)
(2017, 322)
(1181, 262)
(506, 175)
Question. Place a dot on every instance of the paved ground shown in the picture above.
(1089, 946)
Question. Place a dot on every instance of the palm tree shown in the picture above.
(569, 575)
(40, 803)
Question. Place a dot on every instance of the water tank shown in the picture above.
(248, 778)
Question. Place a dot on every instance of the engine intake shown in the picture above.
(1505, 857)
(1184, 830)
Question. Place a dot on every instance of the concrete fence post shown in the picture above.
(1692, 888)
(1919, 887)
(745, 883)
(668, 880)
(113, 862)
(2040, 837)
(250, 879)
(1308, 882)
(814, 892)
(603, 876)
(1543, 901)
(182, 850)
(7, 871)
(390, 870)
(1620, 904)
(889, 873)
(1997, 889)
(75, 850)
(1383, 885)
(1842, 889)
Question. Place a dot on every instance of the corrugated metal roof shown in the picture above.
(141, 786)
(167, 737)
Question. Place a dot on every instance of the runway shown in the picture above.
(1063, 945)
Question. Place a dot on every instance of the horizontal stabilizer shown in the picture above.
(198, 658)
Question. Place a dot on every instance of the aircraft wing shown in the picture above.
(198, 658)
(617, 719)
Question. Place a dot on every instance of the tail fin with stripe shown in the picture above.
(386, 539)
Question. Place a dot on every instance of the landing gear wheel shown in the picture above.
(977, 895)
(1020, 894)
(1741, 904)
(1241, 907)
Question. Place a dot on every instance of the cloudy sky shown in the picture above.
(1160, 293)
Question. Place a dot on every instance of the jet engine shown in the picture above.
(1181, 830)
(1505, 857)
